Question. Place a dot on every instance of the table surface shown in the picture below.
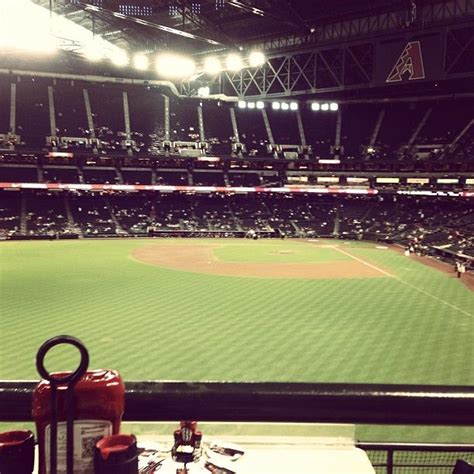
(274, 448)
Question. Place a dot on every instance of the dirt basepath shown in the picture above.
(200, 259)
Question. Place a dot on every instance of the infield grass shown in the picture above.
(278, 253)
(153, 323)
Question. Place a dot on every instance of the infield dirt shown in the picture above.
(201, 259)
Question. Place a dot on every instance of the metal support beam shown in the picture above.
(98, 79)
(462, 133)
(126, 115)
(52, 112)
(377, 127)
(90, 121)
(382, 22)
(286, 19)
(299, 118)
(202, 135)
(337, 138)
(140, 21)
(327, 69)
(268, 127)
(12, 125)
(421, 124)
(235, 128)
(167, 117)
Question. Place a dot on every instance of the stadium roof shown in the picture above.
(198, 26)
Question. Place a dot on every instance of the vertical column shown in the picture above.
(268, 127)
(462, 133)
(202, 136)
(12, 127)
(421, 124)
(337, 138)
(90, 122)
(235, 128)
(52, 112)
(167, 117)
(378, 124)
(300, 127)
(126, 114)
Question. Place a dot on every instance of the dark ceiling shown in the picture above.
(210, 24)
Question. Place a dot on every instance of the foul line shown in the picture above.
(435, 297)
(363, 262)
(405, 283)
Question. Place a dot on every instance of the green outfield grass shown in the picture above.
(413, 327)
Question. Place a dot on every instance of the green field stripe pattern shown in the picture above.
(155, 323)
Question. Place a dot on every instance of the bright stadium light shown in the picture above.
(251, 105)
(141, 62)
(285, 106)
(175, 66)
(315, 106)
(294, 106)
(212, 66)
(256, 59)
(242, 104)
(260, 105)
(119, 58)
(42, 45)
(204, 91)
(333, 106)
(27, 27)
(324, 107)
(93, 52)
(234, 62)
(276, 105)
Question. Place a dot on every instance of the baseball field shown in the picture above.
(240, 310)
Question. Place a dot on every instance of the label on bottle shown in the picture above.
(86, 435)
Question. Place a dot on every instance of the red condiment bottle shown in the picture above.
(99, 405)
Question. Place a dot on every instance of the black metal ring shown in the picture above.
(75, 375)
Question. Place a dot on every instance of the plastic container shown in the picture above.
(17, 452)
(116, 454)
(99, 405)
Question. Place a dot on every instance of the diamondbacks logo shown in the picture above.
(409, 65)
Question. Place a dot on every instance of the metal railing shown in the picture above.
(393, 458)
(275, 402)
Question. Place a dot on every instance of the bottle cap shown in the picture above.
(117, 454)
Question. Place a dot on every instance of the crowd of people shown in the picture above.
(419, 223)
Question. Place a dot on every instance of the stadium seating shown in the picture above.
(19, 174)
(46, 214)
(96, 175)
(92, 214)
(9, 213)
(373, 134)
(438, 122)
(60, 175)
(403, 219)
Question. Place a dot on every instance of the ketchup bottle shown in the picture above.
(99, 406)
